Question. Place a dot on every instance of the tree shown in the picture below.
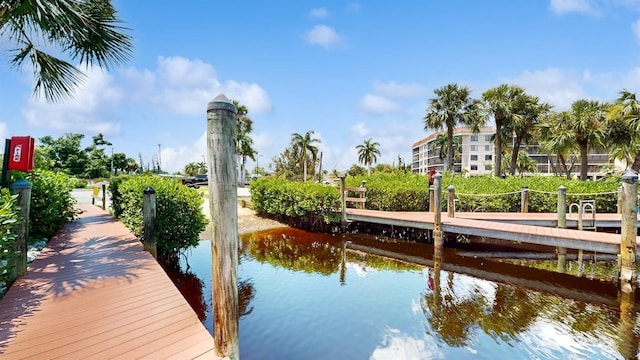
(98, 165)
(623, 129)
(303, 146)
(558, 141)
(586, 122)
(503, 103)
(244, 126)
(120, 163)
(439, 144)
(356, 170)
(452, 105)
(64, 154)
(85, 30)
(530, 114)
(368, 153)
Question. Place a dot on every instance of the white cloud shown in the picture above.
(174, 159)
(185, 86)
(324, 36)
(360, 130)
(396, 345)
(91, 109)
(4, 133)
(376, 104)
(394, 90)
(557, 87)
(319, 13)
(353, 7)
(568, 6)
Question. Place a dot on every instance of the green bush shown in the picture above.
(78, 183)
(280, 197)
(52, 205)
(8, 219)
(116, 198)
(394, 191)
(179, 217)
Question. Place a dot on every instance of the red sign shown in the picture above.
(431, 173)
(21, 153)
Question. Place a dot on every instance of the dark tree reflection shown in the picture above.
(191, 288)
(246, 293)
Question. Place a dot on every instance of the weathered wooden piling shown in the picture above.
(628, 228)
(149, 220)
(104, 196)
(451, 201)
(524, 199)
(437, 210)
(343, 200)
(22, 188)
(431, 198)
(221, 147)
(562, 224)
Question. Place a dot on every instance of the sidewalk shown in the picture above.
(94, 293)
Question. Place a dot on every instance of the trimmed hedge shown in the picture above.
(179, 216)
(288, 200)
(8, 219)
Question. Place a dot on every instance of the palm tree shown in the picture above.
(85, 30)
(303, 145)
(452, 105)
(586, 122)
(531, 112)
(244, 126)
(623, 129)
(368, 153)
(502, 102)
(440, 144)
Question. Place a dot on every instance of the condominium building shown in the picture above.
(476, 155)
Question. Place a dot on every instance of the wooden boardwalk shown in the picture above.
(93, 293)
(522, 227)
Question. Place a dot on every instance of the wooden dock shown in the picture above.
(530, 228)
(93, 293)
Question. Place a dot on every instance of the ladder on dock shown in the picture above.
(585, 209)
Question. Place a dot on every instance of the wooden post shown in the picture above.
(620, 199)
(431, 187)
(562, 207)
(6, 173)
(104, 196)
(628, 229)
(451, 202)
(524, 199)
(22, 188)
(437, 206)
(562, 259)
(223, 194)
(343, 200)
(149, 218)
(363, 195)
(626, 340)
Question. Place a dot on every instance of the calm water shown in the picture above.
(313, 296)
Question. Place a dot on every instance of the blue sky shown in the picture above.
(349, 71)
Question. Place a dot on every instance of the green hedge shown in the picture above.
(283, 198)
(399, 191)
(179, 216)
(52, 204)
(8, 219)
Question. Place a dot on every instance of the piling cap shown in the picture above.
(438, 175)
(149, 190)
(630, 177)
(221, 103)
(20, 184)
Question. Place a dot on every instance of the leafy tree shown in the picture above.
(368, 153)
(586, 122)
(98, 164)
(304, 146)
(623, 129)
(356, 170)
(452, 105)
(287, 164)
(504, 103)
(244, 126)
(120, 163)
(64, 154)
(85, 30)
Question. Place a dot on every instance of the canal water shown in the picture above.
(317, 296)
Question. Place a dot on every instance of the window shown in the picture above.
(474, 137)
(488, 167)
(487, 138)
(488, 157)
(474, 167)
(487, 148)
(473, 148)
(474, 157)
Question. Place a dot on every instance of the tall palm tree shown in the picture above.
(368, 153)
(502, 102)
(304, 145)
(623, 128)
(586, 121)
(531, 112)
(451, 106)
(440, 144)
(244, 126)
(85, 30)
(557, 140)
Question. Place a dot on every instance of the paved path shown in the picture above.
(93, 293)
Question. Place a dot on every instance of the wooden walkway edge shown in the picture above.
(505, 226)
(93, 293)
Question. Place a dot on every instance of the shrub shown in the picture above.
(78, 183)
(179, 217)
(116, 197)
(8, 219)
(306, 201)
(52, 205)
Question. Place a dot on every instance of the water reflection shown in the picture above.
(325, 296)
